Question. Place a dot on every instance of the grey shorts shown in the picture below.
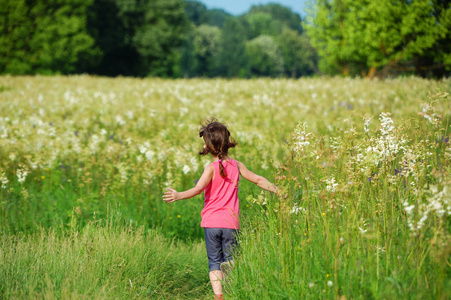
(220, 243)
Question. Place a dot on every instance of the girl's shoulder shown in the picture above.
(238, 164)
(210, 167)
(233, 161)
(236, 161)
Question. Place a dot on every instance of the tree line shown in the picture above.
(175, 38)
(384, 37)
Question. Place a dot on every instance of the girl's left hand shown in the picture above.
(170, 195)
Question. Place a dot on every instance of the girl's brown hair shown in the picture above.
(217, 140)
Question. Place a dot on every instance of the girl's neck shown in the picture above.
(224, 158)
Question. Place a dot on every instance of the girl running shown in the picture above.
(220, 215)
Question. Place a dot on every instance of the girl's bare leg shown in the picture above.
(227, 267)
(216, 278)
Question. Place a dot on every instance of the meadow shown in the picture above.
(363, 170)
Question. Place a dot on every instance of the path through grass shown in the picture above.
(102, 262)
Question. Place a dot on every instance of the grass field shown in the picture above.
(363, 168)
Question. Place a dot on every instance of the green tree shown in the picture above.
(45, 36)
(196, 12)
(261, 23)
(187, 54)
(159, 35)
(113, 37)
(285, 28)
(360, 37)
(265, 58)
(436, 61)
(280, 13)
(232, 59)
(300, 58)
(217, 17)
(15, 30)
(206, 46)
(138, 37)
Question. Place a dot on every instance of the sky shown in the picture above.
(238, 7)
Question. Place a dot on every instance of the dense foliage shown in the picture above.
(137, 38)
(45, 37)
(182, 38)
(266, 41)
(167, 38)
(388, 37)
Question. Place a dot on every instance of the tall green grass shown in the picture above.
(355, 223)
(102, 261)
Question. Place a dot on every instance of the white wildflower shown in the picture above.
(261, 200)
(408, 208)
(169, 181)
(142, 149)
(300, 138)
(95, 140)
(448, 153)
(439, 203)
(161, 155)
(122, 170)
(4, 180)
(194, 164)
(150, 154)
(183, 111)
(129, 114)
(4, 134)
(186, 169)
(22, 173)
(296, 209)
(367, 122)
(148, 180)
(429, 113)
(335, 144)
(52, 132)
(33, 165)
(386, 123)
(12, 156)
(330, 283)
(423, 219)
(120, 120)
(360, 158)
(110, 149)
(331, 184)
(387, 146)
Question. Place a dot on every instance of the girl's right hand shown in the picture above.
(170, 195)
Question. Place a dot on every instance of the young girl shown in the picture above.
(221, 207)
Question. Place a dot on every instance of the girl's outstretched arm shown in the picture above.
(172, 195)
(257, 179)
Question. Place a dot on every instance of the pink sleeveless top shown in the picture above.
(221, 206)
